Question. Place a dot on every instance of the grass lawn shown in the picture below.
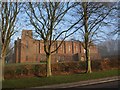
(40, 81)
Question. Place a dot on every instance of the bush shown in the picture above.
(36, 70)
(39, 69)
(82, 65)
(65, 67)
(18, 71)
(27, 70)
(9, 74)
(96, 65)
(115, 63)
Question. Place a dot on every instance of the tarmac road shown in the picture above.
(112, 84)
(115, 85)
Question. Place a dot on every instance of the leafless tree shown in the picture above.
(48, 19)
(9, 12)
(115, 22)
(95, 15)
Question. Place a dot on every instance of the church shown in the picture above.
(28, 49)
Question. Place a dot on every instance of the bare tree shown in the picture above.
(47, 19)
(9, 12)
(95, 15)
(116, 16)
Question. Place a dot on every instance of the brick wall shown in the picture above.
(69, 46)
(28, 49)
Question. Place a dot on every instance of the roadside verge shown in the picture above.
(82, 83)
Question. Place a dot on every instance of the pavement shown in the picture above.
(81, 83)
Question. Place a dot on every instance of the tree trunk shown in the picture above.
(3, 62)
(49, 71)
(86, 37)
(88, 62)
(0, 67)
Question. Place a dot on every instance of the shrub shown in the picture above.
(9, 74)
(36, 69)
(96, 65)
(82, 65)
(16, 71)
(65, 67)
(42, 70)
(39, 69)
(25, 71)
(115, 63)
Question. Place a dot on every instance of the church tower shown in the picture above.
(26, 43)
(27, 34)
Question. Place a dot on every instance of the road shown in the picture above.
(112, 84)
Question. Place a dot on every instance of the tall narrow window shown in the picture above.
(69, 48)
(37, 57)
(84, 50)
(63, 48)
(26, 34)
(26, 58)
(39, 46)
(76, 48)
(27, 43)
(41, 59)
(59, 59)
(40, 49)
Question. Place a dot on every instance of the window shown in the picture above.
(84, 50)
(41, 59)
(63, 58)
(69, 49)
(26, 34)
(76, 48)
(53, 47)
(59, 59)
(62, 48)
(27, 43)
(36, 57)
(26, 58)
(40, 48)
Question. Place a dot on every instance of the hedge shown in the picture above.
(39, 70)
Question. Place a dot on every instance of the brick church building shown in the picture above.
(28, 49)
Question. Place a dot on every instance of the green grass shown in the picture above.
(41, 81)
